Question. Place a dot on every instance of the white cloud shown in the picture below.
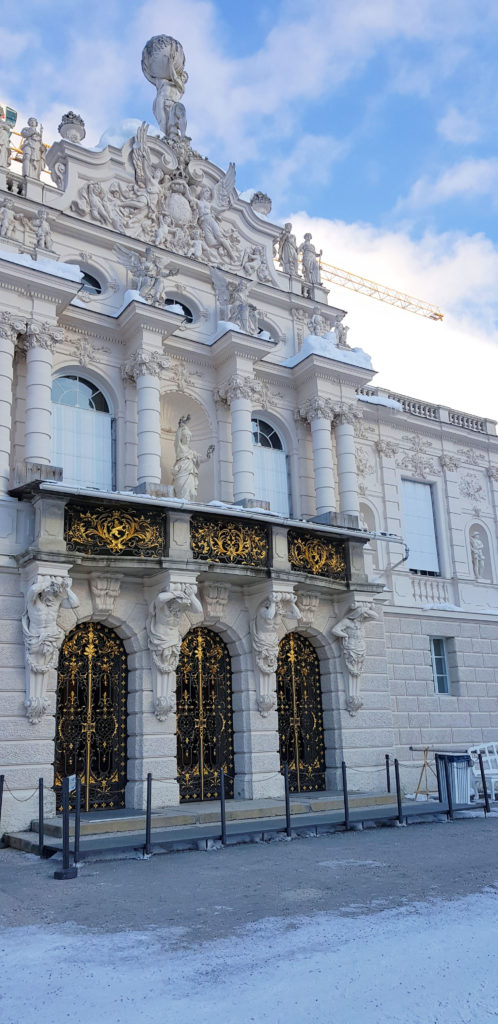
(456, 127)
(454, 362)
(466, 180)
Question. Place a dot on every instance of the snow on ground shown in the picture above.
(427, 963)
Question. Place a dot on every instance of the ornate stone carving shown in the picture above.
(87, 350)
(471, 455)
(471, 488)
(180, 376)
(477, 552)
(449, 462)
(387, 448)
(42, 335)
(11, 325)
(350, 631)
(299, 316)
(72, 127)
(229, 541)
(214, 599)
(143, 363)
(261, 203)
(265, 639)
(97, 530)
(149, 273)
(287, 251)
(344, 413)
(185, 471)
(308, 607)
(5, 155)
(164, 639)
(341, 333)
(310, 265)
(317, 408)
(43, 637)
(7, 218)
(238, 386)
(163, 64)
(255, 264)
(33, 150)
(105, 592)
(233, 302)
(364, 468)
(58, 172)
(316, 554)
(41, 228)
(416, 461)
(320, 325)
(492, 472)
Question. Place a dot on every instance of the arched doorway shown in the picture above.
(300, 715)
(91, 716)
(204, 716)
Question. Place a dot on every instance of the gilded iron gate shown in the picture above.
(300, 716)
(204, 716)
(91, 716)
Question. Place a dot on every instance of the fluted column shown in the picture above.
(39, 343)
(145, 369)
(346, 460)
(10, 327)
(239, 393)
(318, 412)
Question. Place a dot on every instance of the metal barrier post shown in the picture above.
(449, 794)
(485, 788)
(2, 780)
(388, 773)
(67, 870)
(148, 813)
(40, 817)
(438, 777)
(287, 801)
(345, 796)
(222, 808)
(77, 820)
(398, 791)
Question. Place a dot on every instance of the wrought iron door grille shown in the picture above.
(300, 716)
(204, 716)
(91, 716)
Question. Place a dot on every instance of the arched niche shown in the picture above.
(479, 553)
(367, 522)
(174, 405)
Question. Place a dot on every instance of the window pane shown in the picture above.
(82, 445)
(418, 526)
(440, 665)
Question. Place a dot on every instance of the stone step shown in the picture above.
(126, 820)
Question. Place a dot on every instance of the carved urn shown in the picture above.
(72, 127)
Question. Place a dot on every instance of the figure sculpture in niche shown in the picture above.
(4, 144)
(7, 219)
(43, 636)
(42, 231)
(477, 552)
(186, 468)
(311, 266)
(287, 251)
(33, 150)
(350, 630)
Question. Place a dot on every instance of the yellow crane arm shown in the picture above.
(346, 279)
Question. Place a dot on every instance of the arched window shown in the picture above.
(271, 478)
(82, 434)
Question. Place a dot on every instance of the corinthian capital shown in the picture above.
(144, 363)
(42, 335)
(317, 408)
(239, 387)
(346, 414)
(11, 325)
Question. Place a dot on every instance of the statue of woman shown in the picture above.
(186, 467)
(287, 251)
(33, 150)
(311, 265)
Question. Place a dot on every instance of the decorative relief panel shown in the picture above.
(98, 530)
(316, 554)
(229, 541)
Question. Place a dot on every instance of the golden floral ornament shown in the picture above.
(118, 531)
(229, 541)
(316, 554)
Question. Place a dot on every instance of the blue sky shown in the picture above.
(373, 122)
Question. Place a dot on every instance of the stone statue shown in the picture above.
(4, 144)
(186, 468)
(33, 150)
(341, 333)
(233, 302)
(311, 266)
(163, 64)
(7, 219)
(477, 553)
(163, 633)
(265, 641)
(254, 264)
(211, 202)
(350, 630)
(149, 273)
(43, 636)
(287, 251)
(42, 231)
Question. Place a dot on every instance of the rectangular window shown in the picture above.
(440, 665)
(419, 527)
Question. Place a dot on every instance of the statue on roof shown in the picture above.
(33, 150)
(163, 64)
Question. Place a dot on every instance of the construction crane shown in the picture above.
(355, 283)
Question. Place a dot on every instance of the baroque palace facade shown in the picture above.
(220, 544)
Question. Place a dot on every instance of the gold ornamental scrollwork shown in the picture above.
(116, 531)
(229, 541)
(316, 554)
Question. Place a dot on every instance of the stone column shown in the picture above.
(145, 369)
(40, 341)
(10, 327)
(319, 412)
(239, 393)
(346, 461)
